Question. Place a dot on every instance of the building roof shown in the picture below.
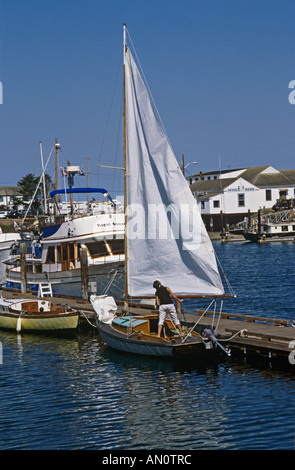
(260, 176)
(9, 191)
(211, 185)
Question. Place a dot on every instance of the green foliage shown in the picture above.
(27, 186)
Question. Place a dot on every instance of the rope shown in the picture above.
(94, 326)
(213, 317)
(217, 324)
(205, 311)
(241, 332)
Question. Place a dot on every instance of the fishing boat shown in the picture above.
(25, 315)
(54, 255)
(272, 227)
(165, 237)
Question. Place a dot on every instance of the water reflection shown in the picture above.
(78, 394)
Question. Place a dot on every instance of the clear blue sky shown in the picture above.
(218, 70)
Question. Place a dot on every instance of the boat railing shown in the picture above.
(81, 210)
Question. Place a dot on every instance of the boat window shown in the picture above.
(58, 254)
(68, 252)
(50, 258)
(78, 251)
(72, 251)
(284, 228)
(38, 268)
(97, 249)
(116, 246)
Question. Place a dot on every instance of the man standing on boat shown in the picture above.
(165, 304)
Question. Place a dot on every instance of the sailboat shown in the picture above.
(165, 237)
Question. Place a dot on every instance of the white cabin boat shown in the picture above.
(54, 258)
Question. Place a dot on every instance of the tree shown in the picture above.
(27, 187)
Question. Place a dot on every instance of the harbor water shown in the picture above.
(76, 393)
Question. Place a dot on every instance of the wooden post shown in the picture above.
(222, 220)
(249, 219)
(23, 268)
(84, 273)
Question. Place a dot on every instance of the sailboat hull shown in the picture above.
(121, 342)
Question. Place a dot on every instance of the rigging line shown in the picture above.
(231, 290)
(117, 153)
(109, 112)
(199, 319)
(148, 88)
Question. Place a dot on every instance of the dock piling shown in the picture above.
(23, 268)
(84, 273)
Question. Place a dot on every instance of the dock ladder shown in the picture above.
(44, 289)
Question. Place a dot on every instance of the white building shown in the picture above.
(7, 193)
(227, 197)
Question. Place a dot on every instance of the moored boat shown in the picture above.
(57, 260)
(36, 316)
(137, 334)
(272, 227)
(173, 246)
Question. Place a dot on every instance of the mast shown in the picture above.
(125, 168)
(57, 147)
(44, 184)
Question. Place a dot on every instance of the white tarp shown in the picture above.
(166, 237)
(105, 307)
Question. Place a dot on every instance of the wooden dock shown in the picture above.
(248, 334)
(271, 338)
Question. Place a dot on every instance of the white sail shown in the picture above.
(166, 237)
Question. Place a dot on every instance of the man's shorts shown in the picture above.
(168, 308)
